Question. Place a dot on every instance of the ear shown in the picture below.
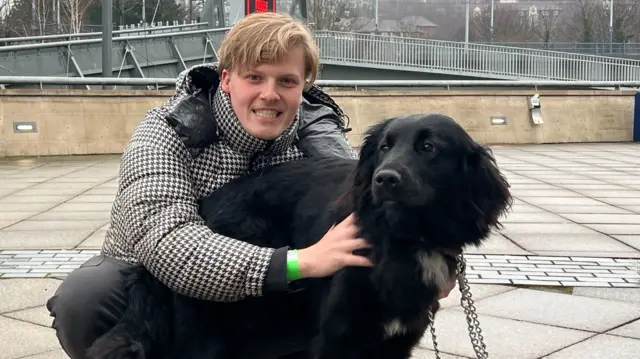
(225, 79)
(489, 194)
(367, 162)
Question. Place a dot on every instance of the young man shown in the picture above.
(257, 108)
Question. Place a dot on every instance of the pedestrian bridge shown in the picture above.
(164, 51)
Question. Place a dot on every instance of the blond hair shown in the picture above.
(266, 38)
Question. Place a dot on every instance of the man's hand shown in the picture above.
(334, 251)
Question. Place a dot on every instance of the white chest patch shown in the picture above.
(394, 327)
(434, 269)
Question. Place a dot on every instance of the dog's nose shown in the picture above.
(388, 178)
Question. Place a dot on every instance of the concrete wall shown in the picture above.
(89, 122)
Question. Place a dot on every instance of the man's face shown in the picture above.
(266, 98)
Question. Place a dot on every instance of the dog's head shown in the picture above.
(427, 177)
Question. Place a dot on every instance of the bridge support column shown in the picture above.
(107, 30)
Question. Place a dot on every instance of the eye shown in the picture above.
(384, 148)
(428, 147)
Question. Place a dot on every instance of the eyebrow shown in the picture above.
(286, 74)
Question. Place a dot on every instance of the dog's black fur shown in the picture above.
(421, 184)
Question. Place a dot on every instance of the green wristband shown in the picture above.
(293, 267)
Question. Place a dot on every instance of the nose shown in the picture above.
(388, 178)
(269, 92)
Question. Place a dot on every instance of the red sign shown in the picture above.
(260, 6)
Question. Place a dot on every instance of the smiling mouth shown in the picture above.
(269, 114)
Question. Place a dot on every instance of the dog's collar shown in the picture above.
(231, 131)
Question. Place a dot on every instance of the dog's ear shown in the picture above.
(367, 162)
(489, 194)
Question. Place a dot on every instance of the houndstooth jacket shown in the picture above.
(186, 149)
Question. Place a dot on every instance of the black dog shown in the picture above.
(421, 184)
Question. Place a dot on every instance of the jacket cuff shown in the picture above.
(276, 279)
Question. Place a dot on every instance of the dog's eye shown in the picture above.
(429, 147)
(384, 148)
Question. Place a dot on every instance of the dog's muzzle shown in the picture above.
(386, 184)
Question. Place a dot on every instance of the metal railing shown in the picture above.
(470, 59)
(595, 48)
(344, 48)
(122, 32)
(118, 39)
(167, 81)
(147, 55)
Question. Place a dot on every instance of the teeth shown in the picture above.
(263, 113)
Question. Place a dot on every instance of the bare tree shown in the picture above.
(547, 23)
(626, 20)
(510, 24)
(74, 13)
(585, 21)
(30, 17)
(5, 10)
(43, 14)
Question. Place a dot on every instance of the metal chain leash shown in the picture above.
(475, 333)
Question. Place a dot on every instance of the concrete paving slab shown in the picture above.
(17, 216)
(77, 207)
(52, 354)
(627, 295)
(38, 315)
(602, 193)
(94, 241)
(81, 186)
(546, 228)
(90, 198)
(59, 225)
(478, 291)
(567, 242)
(100, 216)
(35, 192)
(602, 218)
(557, 192)
(21, 339)
(531, 186)
(599, 347)
(620, 201)
(631, 330)
(565, 201)
(419, 353)
(7, 191)
(635, 209)
(618, 228)
(521, 207)
(497, 243)
(17, 294)
(100, 190)
(42, 239)
(504, 338)
(13, 198)
(587, 253)
(559, 310)
(26, 207)
(630, 240)
(579, 187)
(536, 217)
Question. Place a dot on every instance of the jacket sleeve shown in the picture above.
(321, 132)
(156, 214)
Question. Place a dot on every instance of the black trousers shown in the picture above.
(91, 300)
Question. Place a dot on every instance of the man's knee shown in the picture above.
(87, 304)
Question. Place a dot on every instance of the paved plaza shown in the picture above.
(561, 280)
